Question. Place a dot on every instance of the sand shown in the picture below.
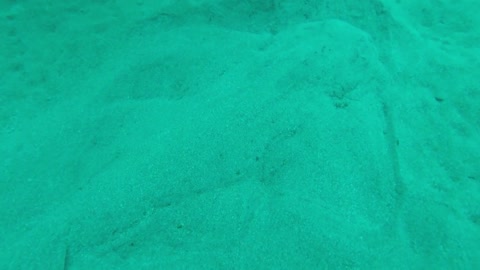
(230, 134)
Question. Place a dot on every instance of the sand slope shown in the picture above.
(244, 135)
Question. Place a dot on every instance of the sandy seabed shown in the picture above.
(229, 134)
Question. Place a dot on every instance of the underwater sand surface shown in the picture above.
(230, 134)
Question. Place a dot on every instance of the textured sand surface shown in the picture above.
(230, 134)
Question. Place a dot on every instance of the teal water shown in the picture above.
(224, 134)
